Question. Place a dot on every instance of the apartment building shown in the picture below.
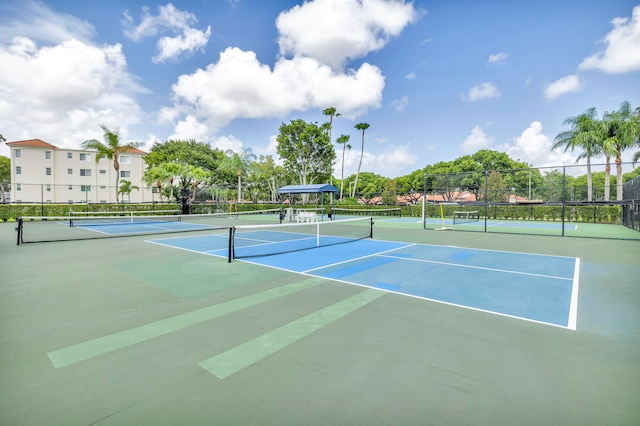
(42, 172)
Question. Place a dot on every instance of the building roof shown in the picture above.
(136, 151)
(39, 143)
(33, 143)
(307, 189)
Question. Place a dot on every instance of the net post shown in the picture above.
(371, 228)
(19, 230)
(230, 253)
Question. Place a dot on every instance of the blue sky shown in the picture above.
(434, 79)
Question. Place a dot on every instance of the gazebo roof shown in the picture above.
(307, 189)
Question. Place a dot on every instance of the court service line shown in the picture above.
(380, 253)
(244, 355)
(506, 271)
(92, 348)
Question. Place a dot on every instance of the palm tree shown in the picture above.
(331, 112)
(363, 127)
(622, 133)
(111, 149)
(239, 163)
(344, 141)
(126, 187)
(582, 134)
(636, 121)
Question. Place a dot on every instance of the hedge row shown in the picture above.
(593, 214)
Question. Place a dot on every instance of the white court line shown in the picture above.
(573, 308)
(506, 271)
(380, 253)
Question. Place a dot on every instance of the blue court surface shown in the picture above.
(142, 227)
(531, 287)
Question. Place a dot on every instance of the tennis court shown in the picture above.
(407, 328)
(525, 286)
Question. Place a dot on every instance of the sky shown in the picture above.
(435, 80)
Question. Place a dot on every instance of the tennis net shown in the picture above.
(264, 240)
(75, 227)
(466, 216)
(341, 211)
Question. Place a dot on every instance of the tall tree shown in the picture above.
(636, 120)
(623, 132)
(267, 173)
(239, 164)
(112, 148)
(363, 127)
(5, 176)
(331, 112)
(305, 150)
(191, 152)
(126, 186)
(344, 141)
(583, 134)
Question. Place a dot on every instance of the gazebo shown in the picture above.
(303, 215)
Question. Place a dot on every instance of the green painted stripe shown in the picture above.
(92, 348)
(235, 359)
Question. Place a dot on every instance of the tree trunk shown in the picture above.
(116, 166)
(589, 180)
(344, 148)
(607, 180)
(619, 176)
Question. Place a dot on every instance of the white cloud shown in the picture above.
(43, 101)
(317, 28)
(411, 76)
(534, 147)
(568, 84)
(238, 86)
(226, 143)
(622, 51)
(36, 21)
(399, 105)
(168, 18)
(390, 162)
(172, 20)
(189, 41)
(483, 91)
(476, 141)
(497, 58)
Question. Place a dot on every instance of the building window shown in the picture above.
(18, 170)
(85, 157)
(85, 172)
(103, 187)
(69, 154)
(103, 172)
(48, 171)
(69, 171)
(18, 187)
(125, 159)
(48, 188)
(18, 153)
(47, 155)
(125, 173)
(85, 188)
(70, 187)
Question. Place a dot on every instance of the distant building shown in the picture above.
(41, 172)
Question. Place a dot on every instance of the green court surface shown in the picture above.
(118, 331)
